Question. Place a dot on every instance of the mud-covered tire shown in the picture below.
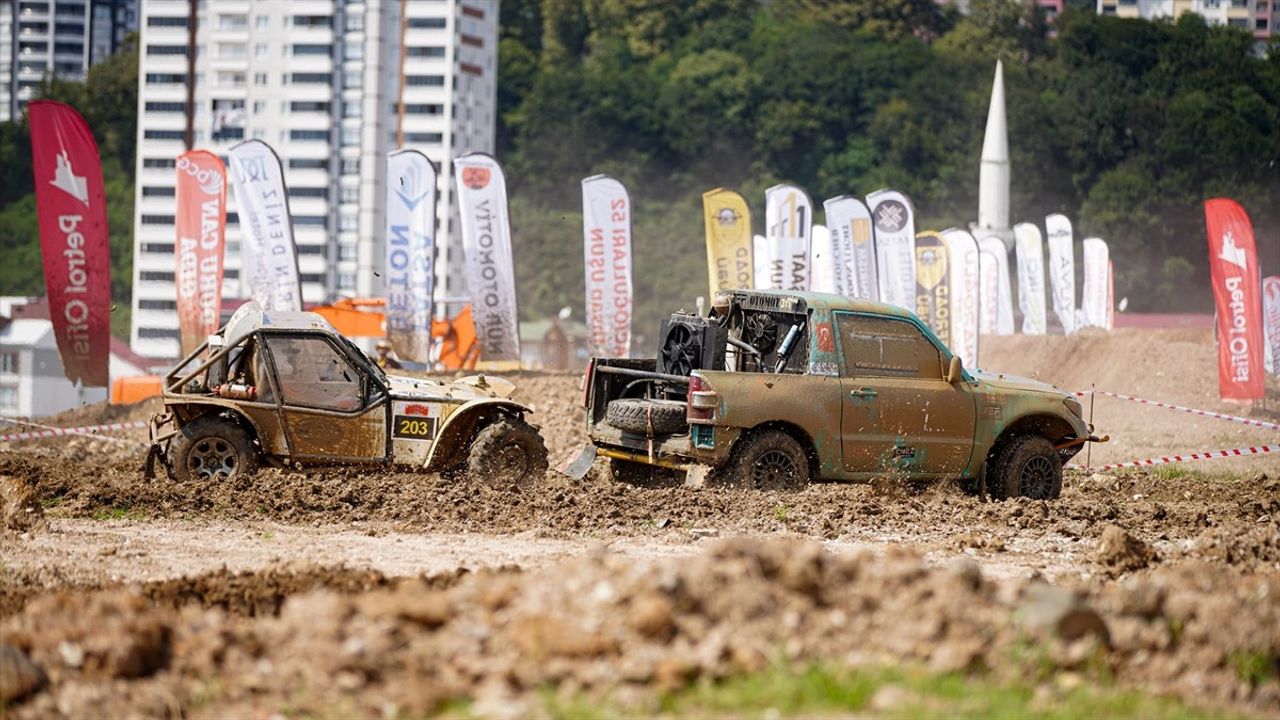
(637, 415)
(212, 448)
(507, 451)
(1027, 466)
(766, 460)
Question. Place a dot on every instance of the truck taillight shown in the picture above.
(701, 400)
(586, 383)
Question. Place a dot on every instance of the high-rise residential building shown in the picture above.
(332, 86)
(1255, 16)
(55, 38)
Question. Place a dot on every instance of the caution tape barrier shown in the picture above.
(85, 430)
(1209, 455)
(1266, 425)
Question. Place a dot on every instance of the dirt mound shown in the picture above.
(20, 509)
(602, 624)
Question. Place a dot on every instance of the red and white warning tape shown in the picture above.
(1179, 408)
(1209, 455)
(85, 430)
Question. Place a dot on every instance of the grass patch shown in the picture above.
(821, 690)
(119, 513)
(49, 503)
(1255, 667)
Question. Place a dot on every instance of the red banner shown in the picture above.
(73, 238)
(201, 224)
(1233, 264)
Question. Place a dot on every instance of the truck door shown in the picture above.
(332, 409)
(898, 411)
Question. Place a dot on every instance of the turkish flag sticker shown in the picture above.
(476, 178)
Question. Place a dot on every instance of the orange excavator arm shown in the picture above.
(366, 317)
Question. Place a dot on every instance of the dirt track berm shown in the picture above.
(775, 389)
(286, 389)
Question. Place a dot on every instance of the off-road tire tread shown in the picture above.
(632, 415)
(486, 445)
(737, 472)
(207, 426)
(1003, 483)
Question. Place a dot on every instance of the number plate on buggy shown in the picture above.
(413, 427)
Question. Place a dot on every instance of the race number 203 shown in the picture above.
(414, 427)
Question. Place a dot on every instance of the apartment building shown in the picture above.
(43, 38)
(321, 82)
(1256, 16)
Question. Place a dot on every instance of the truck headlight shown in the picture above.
(1074, 406)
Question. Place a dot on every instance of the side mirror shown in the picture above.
(955, 371)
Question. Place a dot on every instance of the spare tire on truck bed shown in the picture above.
(639, 415)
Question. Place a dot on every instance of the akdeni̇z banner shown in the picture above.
(1030, 249)
(729, 251)
(788, 221)
(1237, 295)
(1062, 270)
(486, 237)
(606, 251)
(895, 225)
(200, 222)
(409, 275)
(964, 271)
(270, 265)
(72, 212)
(933, 284)
(853, 247)
(996, 314)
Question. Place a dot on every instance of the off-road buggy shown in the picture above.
(775, 389)
(286, 389)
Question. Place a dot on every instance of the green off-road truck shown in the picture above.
(287, 389)
(775, 389)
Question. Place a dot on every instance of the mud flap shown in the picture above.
(579, 464)
(696, 476)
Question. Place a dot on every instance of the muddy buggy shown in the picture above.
(775, 389)
(286, 389)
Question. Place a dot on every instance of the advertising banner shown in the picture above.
(788, 220)
(1095, 310)
(606, 233)
(409, 274)
(486, 237)
(1030, 249)
(933, 284)
(853, 247)
(1237, 295)
(729, 247)
(270, 265)
(822, 262)
(72, 213)
(1062, 270)
(1271, 321)
(760, 268)
(200, 221)
(895, 236)
(996, 315)
(964, 271)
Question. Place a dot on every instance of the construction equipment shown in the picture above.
(367, 317)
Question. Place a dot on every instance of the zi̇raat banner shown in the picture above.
(1271, 321)
(996, 314)
(606, 249)
(895, 228)
(853, 248)
(270, 256)
(1030, 250)
(1062, 270)
(1095, 297)
(729, 246)
(409, 274)
(788, 219)
(933, 284)
(965, 273)
(822, 267)
(72, 213)
(486, 237)
(200, 222)
(1237, 295)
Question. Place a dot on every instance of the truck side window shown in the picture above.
(313, 374)
(886, 347)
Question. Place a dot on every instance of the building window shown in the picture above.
(309, 135)
(9, 398)
(158, 248)
(309, 106)
(9, 362)
(259, 107)
(350, 166)
(474, 12)
(312, 49)
(157, 219)
(312, 250)
(231, 51)
(308, 192)
(158, 304)
(262, 21)
(431, 51)
(166, 107)
(351, 109)
(166, 78)
(424, 80)
(354, 51)
(311, 21)
(158, 333)
(308, 164)
(260, 50)
(350, 136)
(355, 21)
(348, 222)
(309, 78)
(157, 191)
(321, 221)
(350, 193)
(346, 281)
(66, 48)
(165, 135)
(158, 163)
(426, 138)
(167, 50)
(433, 22)
(233, 22)
(352, 79)
(347, 253)
(155, 276)
(473, 41)
(177, 22)
(259, 79)
(420, 109)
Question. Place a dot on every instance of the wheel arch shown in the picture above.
(796, 432)
(1048, 426)
(195, 411)
(448, 448)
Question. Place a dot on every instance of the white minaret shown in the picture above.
(993, 179)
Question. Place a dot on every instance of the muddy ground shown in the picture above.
(347, 592)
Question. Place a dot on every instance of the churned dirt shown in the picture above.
(351, 592)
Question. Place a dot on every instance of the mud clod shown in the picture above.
(1120, 551)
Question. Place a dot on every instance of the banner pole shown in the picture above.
(1088, 453)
